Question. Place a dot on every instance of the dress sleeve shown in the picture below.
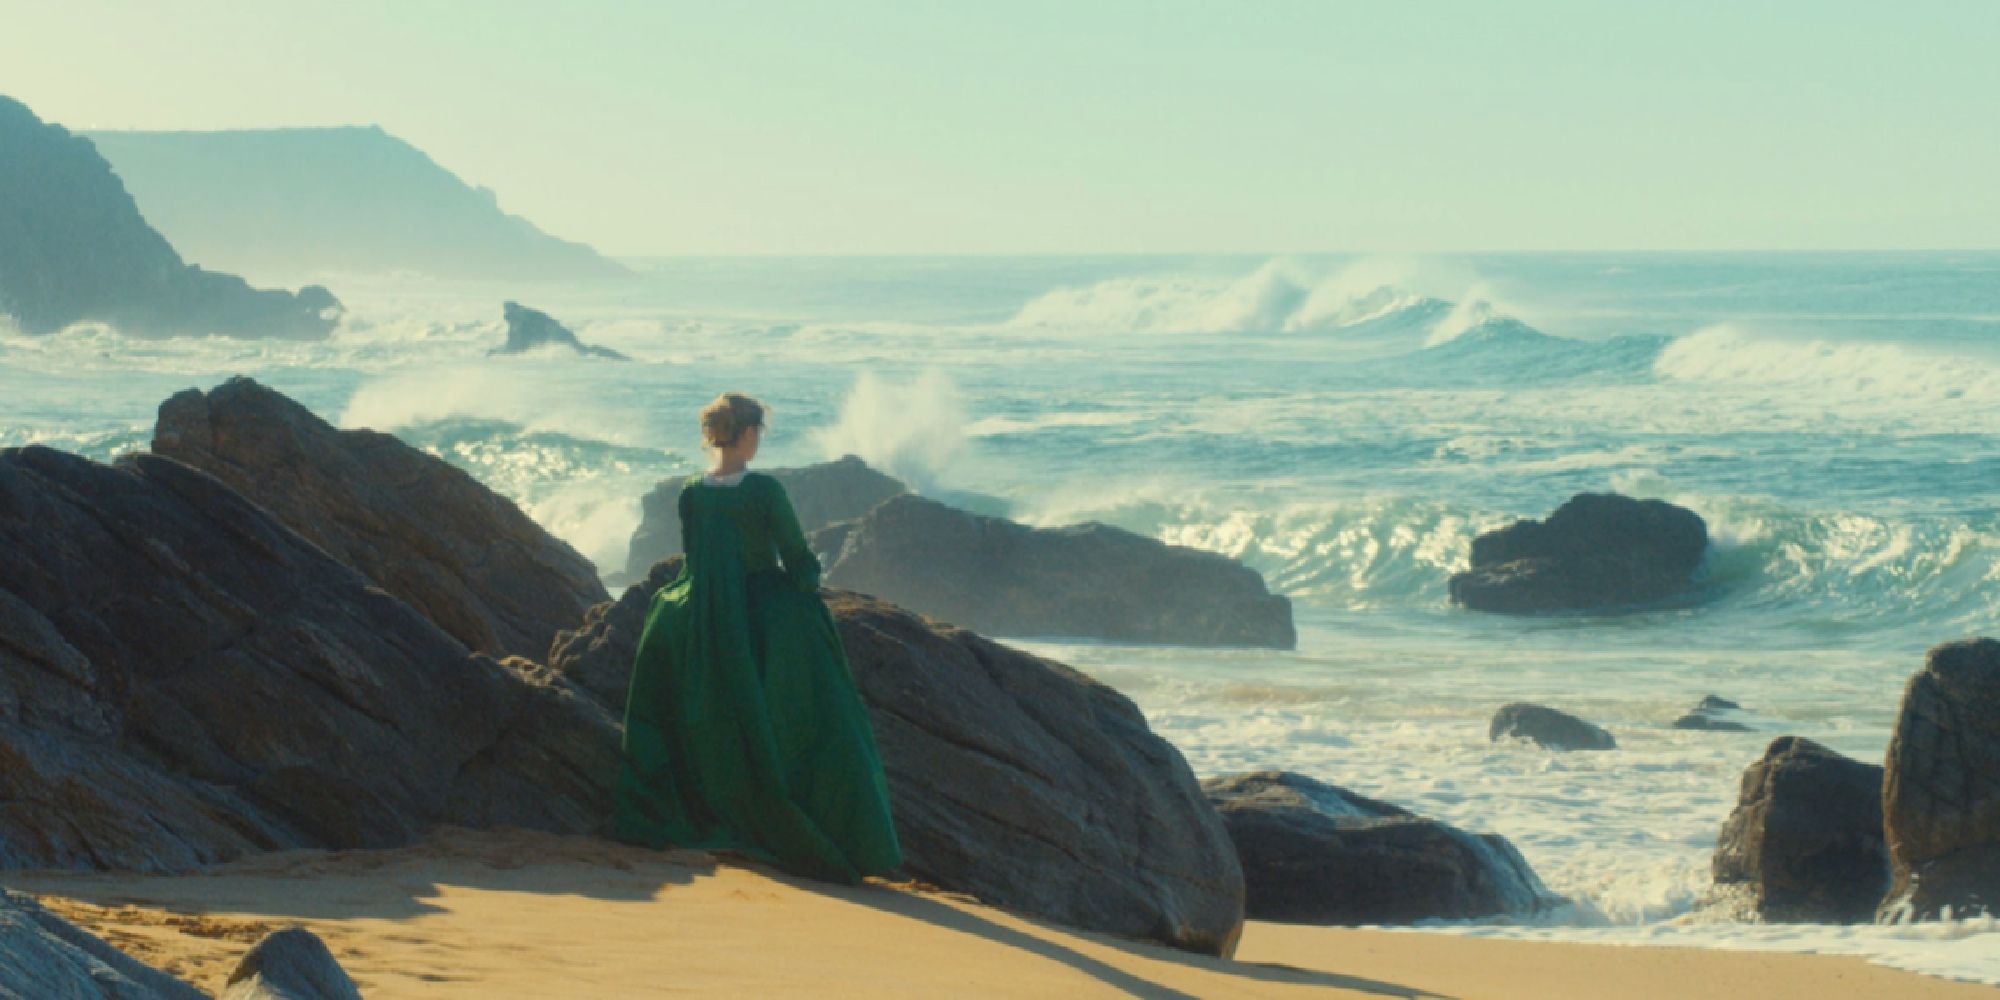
(801, 566)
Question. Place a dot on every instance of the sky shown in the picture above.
(1104, 126)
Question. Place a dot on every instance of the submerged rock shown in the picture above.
(1806, 836)
(1548, 728)
(1941, 792)
(1318, 854)
(291, 964)
(528, 329)
(1087, 580)
(1598, 551)
(43, 955)
(1715, 715)
(422, 529)
(1012, 777)
(821, 495)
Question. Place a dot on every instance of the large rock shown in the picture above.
(73, 247)
(1941, 793)
(1548, 728)
(1317, 854)
(45, 956)
(821, 494)
(1597, 551)
(425, 531)
(1806, 836)
(528, 329)
(1012, 777)
(184, 679)
(1087, 580)
(291, 964)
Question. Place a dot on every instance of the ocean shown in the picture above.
(1345, 425)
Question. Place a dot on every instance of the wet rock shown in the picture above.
(1941, 793)
(421, 529)
(821, 495)
(528, 329)
(1598, 551)
(1548, 728)
(1806, 836)
(1087, 580)
(1715, 715)
(1318, 854)
(291, 964)
(43, 955)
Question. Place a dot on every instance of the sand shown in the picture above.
(497, 915)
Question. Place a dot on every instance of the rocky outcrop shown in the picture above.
(1941, 792)
(184, 679)
(74, 248)
(1012, 777)
(43, 955)
(1714, 715)
(1598, 551)
(1806, 836)
(291, 964)
(423, 530)
(1316, 854)
(1087, 580)
(821, 495)
(528, 329)
(1548, 728)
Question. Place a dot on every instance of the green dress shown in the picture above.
(743, 730)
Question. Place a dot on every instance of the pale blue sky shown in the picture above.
(990, 127)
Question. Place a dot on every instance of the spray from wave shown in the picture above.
(911, 430)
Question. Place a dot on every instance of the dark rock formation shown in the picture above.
(1941, 793)
(425, 531)
(1598, 551)
(1012, 777)
(298, 201)
(1086, 580)
(1548, 728)
(1317, 854)
(184, 679)
(528, 329)
(1715, 715)
(1806, 836)
(73, 247)
(43, 955)
(821, 494)
(291, 964)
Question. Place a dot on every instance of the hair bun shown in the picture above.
(724, 420)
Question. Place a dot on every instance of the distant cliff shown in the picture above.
(74, 247)
(301, 201)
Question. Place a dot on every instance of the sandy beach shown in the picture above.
(528, 915)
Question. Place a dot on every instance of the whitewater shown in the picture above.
(1344, 425)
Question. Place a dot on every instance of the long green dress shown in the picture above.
(743, 729)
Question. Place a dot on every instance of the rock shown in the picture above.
(1941, 792)
(1598, 551)
(1548, 728)
(421, 529)
(1013, 778)
(1087, 580)
(528, 329)
(1806, 836)
(1314, 853)
(1715, 715)
(75, 249)
(821, 494)
(291, 964)
(43, 955)
(184, 680)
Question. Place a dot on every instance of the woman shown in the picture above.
(743, 730)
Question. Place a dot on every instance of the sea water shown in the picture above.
(1344, 425)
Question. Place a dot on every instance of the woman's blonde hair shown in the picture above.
(725, 420)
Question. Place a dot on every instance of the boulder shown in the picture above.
(291, 964)
(1013, 778)
(1548, 728)
(821, 494)
(1941, 792)
(74, 248)
(184, 680)
(1714, 715)
(1806, 836)
(1599, 551)
(420, 528)
(528, 329)
(43, 955)
(1318, 854)
(1087, 580)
